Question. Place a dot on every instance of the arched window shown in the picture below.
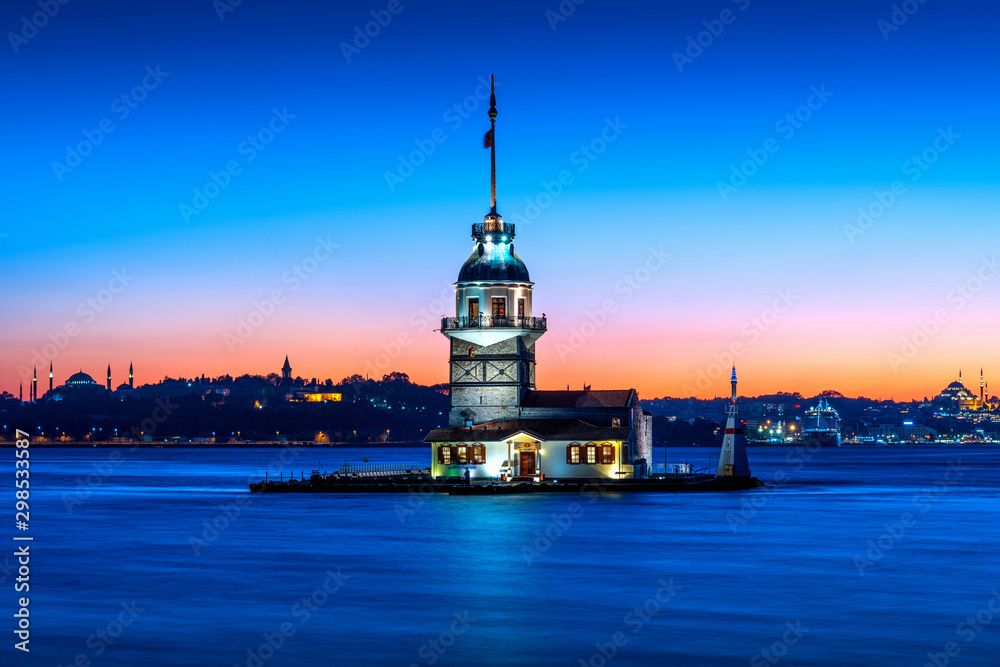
(573, 453)
(591, 456)
(472, 351)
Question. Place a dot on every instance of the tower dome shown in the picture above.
(493, 256)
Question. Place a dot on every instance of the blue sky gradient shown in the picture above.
(400, 245)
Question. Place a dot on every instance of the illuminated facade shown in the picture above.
(956, 398)
(499, 425)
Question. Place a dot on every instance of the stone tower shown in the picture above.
(493, 333)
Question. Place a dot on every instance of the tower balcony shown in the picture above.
(488, 322)
(493, 231)
(484, 330)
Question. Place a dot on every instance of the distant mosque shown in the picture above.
(957, 398)
(76, 382)
(499, 425)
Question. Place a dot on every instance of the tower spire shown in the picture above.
(493, 148)
(50, 376)
(130, 385)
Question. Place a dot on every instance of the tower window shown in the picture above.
(473, 309)
(472, 351)
(499, 307)
(520, 307)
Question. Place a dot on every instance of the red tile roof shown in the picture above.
(599, 398)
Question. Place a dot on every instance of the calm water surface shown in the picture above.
(795, 570)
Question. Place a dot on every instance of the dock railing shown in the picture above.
(379, 469)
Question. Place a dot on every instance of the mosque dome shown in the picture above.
(80, 379)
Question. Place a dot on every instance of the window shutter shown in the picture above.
(569, 453)
(441, 454)
(454, 453)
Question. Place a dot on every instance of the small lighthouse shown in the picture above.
(733, 456)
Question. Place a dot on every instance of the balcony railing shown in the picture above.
(488, 322)
(497, 231)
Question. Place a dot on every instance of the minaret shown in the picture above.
(34, 384)
(733, 456)
(982, 388)
(492, 336)
(20, 392)
(960, 376)
(50, 376)
(131, 385)
(109, 378)
(286, 370)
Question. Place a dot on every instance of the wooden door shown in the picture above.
(527, 463)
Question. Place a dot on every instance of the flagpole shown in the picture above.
(493, 149)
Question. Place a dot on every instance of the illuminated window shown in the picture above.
(472, 351)
(591, 453)
(473, 309)
(607, 454)
(479, 454)
(463, 454)
(444, 454)
(573, 454)
(616, 422)
(499, 307)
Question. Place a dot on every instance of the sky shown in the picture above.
(805, 189)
